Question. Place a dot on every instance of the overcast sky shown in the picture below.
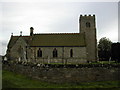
(54, 17)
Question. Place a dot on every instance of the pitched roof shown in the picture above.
(62, 39)
(13, 40)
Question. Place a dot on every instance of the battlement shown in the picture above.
(87, 15)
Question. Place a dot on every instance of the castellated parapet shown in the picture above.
(87, 15)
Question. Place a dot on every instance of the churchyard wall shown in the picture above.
(67, 73)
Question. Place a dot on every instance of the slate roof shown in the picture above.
(13, 40)
(62, 39)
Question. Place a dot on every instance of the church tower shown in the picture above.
(88, 26)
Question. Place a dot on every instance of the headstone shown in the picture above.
(5, 58)
(19, 59)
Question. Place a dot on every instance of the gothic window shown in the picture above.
(55, 53)
(71, 52)
(39, 53)
(88, 24)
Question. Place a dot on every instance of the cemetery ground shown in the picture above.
(14, 80)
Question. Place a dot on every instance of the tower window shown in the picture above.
(88, 24)
(71, 52)
(55, 53)
(39, 53)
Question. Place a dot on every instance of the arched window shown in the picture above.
(55, 53)
(88, 24)
(71, 52)
(39, 53)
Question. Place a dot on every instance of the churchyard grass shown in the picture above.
(13, 80)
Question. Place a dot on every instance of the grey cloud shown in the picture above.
(15, 16)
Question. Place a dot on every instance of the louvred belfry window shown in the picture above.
(88, 24)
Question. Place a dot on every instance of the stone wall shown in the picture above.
(90, 36)
(18, 51)
(79, 55)
(68, 73)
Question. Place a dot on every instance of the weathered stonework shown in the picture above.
(18, 51)
(90, 36)
(79, 55)
(67, 74)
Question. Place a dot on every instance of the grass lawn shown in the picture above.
(13, 80)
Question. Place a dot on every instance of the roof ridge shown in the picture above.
(55, 33)
(20, 36)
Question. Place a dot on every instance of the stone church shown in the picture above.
(57, 47)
